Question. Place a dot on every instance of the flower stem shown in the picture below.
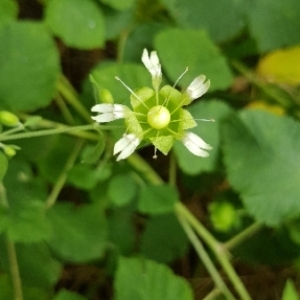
(60, 182)
(142, 166)
(70, 95)
(12, 254)
(243, 235)
(172, 170)
(218, 249)
(65, 129)
(220, 284)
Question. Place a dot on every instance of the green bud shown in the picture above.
(8, 119)
(222, 215)
(9, 151)
(106, 96)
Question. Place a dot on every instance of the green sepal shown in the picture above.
(143, 94)
(163, 143)
(187, 120)
(187, 99)
(133, 125)
(174, 97)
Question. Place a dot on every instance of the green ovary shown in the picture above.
(158, 117)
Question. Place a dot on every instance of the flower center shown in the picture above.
(158, 117)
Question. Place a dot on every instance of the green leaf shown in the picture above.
(209, 132)
(79, 23)
(67, 295)
(209, 15)
(79, 234)
(122, 189)
(122, 232)
(3, 165)
(157, 199)
(179, 49)
(141, 37)
(35, 262)
(24, 220)
(290, 292)
(159, 241)
(31, 191)
(5, 287)
(261, 156)
(141, 279)
(135, 76)
(8, 11)
(116, 22)
(58, 150)
(28, 73)
(92, 154)
(275, 24)
(27, 223)
(83, 176)
(119, 4)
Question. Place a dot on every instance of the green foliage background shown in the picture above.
(66, 205)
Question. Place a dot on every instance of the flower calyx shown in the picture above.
(157, 115)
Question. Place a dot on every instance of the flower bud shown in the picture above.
(8, 119)
(9, 151)
(106, 96)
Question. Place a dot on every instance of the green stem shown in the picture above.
(65, 129)
(70, 95)
(172, 170)
(212, 295)
(216, 247)
(242, 236)
(12, 254)
(64, 110)
(144, 168)
(13, 130)
(51, 124)
(220, 284)
(61, 180)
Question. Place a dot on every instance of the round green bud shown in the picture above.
(158, 117)
(222, 215)
(9, 151)
(9, 119)
(106, 96)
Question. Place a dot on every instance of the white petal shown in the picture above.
(103, 108)
(126, 146)
(195, 144)
(104, 118)
(152, 63)
(195, 139)
(198, 87)
(195, 150)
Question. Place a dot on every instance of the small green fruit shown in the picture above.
(158, 117)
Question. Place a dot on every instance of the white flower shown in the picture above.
(126, 145)
(198, 87)
(109, 112)
(195, 144)
(152, 64)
